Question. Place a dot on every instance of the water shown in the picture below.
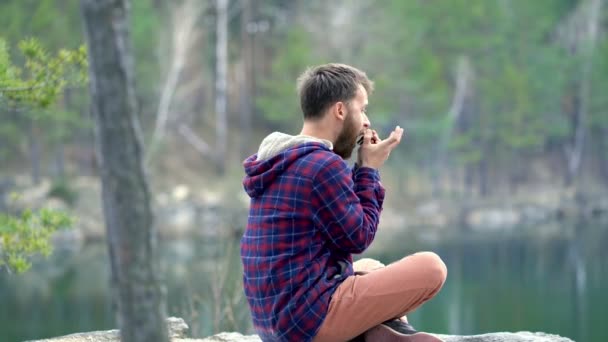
(530, 279)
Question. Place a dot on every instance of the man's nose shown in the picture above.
(366, 123)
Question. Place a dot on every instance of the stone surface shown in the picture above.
(178, 329)
(523, 336)
(231, 337)
(176, 326)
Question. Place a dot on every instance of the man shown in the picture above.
(309, 212)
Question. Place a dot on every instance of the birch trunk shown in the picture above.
(221, 83)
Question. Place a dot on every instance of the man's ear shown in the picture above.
(339, 110)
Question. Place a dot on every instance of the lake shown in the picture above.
(550, 279)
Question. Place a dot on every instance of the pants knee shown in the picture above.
(435, 268)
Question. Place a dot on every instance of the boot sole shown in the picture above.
(382, 333)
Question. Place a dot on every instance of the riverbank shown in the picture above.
(183, 211)
(178, 333)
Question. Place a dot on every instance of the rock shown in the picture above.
(492, 219)
(231, 337)
(180, 193)
(522, 336)
(34, 195)
(55, 204)
(179, 220)
(178, 328)
(71, 239)
(177, 331)
(533, 214)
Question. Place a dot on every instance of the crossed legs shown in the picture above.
(378, 293)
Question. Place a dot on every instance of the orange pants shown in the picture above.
(378, 293)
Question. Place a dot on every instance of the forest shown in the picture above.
(496, 97)
(128, 122)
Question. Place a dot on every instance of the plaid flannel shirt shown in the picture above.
(308, 213)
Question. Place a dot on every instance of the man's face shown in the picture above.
(355, 123)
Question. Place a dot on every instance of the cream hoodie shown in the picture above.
(278, 142)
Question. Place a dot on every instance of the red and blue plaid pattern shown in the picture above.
(308, 213)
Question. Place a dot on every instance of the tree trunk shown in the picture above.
(59, 163)
(461, 91)
(182, 36)
(603, 155)
(221, 83)
(484, 189)
(469, 180)
(34, 145)
(246, 86)
(586, 42)
(131, 235)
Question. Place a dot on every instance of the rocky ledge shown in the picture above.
(178, 331)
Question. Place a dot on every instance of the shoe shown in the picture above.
(398, 331)
(401, 326)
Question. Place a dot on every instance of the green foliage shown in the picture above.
(145, 30)
(28, 235)
(49, 71)
(515, 105)
(62, 190)
(523, 92)
(280, 102)
(525, 84)
(37, 86)
(598, 100)
(30, 94)
(44, 76)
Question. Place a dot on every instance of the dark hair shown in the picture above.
(321, 86)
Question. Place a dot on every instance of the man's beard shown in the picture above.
(347, 139)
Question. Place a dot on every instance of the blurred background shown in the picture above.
(503, 171)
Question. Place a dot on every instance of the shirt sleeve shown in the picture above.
(347, 205)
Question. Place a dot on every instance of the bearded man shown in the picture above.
(310, 212)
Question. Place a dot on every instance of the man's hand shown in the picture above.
(373, 152)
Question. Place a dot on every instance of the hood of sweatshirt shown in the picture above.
(276, 153)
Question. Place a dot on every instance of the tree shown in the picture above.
(45, 77)
(221, 83)
(24, 236)
(183, 36)
(245, 101)
(580, 34)
(44, 131)
(131, 234)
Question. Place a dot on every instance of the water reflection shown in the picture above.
(518, 281)
(522, 280)
(61, 295)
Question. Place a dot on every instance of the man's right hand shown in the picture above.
(375, 154)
